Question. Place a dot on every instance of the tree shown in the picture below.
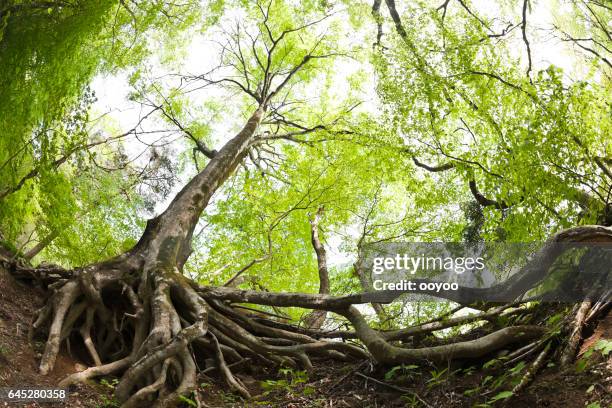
(327, 156)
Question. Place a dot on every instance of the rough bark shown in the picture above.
(317, 317)
(569, 352)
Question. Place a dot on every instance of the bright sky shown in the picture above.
(201, 56)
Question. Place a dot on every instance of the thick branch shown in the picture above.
(320, 251)
(379, 22)
(41, 245)
(317, 317)
(434, 169)
(201, 147)
(167, 237)
(484, 201)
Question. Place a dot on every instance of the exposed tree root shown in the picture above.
(569, 352)
(233, 382)
(155, 329)
(140, 319)
(532, 370)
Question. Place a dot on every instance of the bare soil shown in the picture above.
(19, 358)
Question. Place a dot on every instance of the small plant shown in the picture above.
(491, 383)
(501, 396)
(411, 401)
(604, 347)
(109, 384)
(504, 395)
(188, 401)
(437, 378)
(400, 371)
(469, 371)
(292, 379)
(229, 398)
(496, 362)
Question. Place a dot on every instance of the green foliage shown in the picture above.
(603, 347)
(471, 105)
(188, 401)
(109, 384)
(438, 377)
(400, 371)
(106, 402)
(501, 396)
(501, 377)
(51, 182)
(289, 381)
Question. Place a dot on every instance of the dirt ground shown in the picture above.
(328, 385)
(19, 358)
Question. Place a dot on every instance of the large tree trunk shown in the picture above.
(165, 314)
(167, 238)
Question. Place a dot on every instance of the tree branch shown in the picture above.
(434, 169)
(484, 201)
(525, 40)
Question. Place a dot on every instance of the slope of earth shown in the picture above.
(328, 385)
(19, 358)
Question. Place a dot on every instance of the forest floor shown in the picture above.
(328, 385)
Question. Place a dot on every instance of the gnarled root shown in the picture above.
(569, 353)
(154, 330)
(151, 332)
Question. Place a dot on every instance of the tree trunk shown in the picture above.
(316, 318)
(165, 312)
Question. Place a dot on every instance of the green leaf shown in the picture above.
(604, 346)
(308, 390)
(502, 395)
(188, 401)
(389, 374)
